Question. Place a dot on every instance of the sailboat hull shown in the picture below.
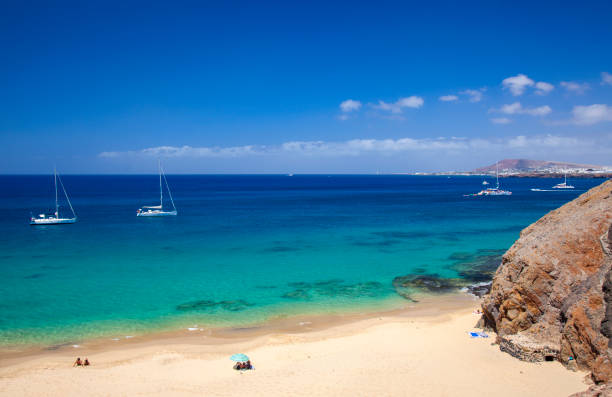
(156, 213)
(51, 221)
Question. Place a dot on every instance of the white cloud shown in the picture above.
(539, 111)
(350, 105)
(592, 114)
(448, 98)
(475, 95)
(397, 107)
(501, 120)
(357, 147)
(544, 141)
(511, 108)
(543, 88)
(188, 151)
(517, 84)
(606, 78)
(517, 108)
(575, 87)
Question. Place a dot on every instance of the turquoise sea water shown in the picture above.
(242, 250)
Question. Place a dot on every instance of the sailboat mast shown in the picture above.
(161, 192)
(497, 173)
(55, 180)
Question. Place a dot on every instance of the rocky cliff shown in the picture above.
(551, 298)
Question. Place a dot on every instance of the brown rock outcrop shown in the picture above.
(603, 390)
(551, 298)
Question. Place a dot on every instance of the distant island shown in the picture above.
(524, 168)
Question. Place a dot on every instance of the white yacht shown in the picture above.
(158, 210)
(563, 185)
(55, 218)
(492, 191)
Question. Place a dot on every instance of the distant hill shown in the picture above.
(523, 165)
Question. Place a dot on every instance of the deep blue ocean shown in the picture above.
(242, 250)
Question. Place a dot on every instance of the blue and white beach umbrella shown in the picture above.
(241, 358)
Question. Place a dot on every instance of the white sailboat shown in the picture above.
(55, 219)
(563, 185)
(493, 191)
(158, 210)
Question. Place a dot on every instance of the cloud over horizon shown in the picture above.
(511, 146)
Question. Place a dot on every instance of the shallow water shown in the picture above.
(242, 249)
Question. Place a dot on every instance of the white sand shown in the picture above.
(386, 356)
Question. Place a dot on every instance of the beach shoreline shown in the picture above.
(428, 306)
(405, 351)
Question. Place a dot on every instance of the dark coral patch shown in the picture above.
(209, 305)
(407, 285)
(334, 288)
(479, 266)
(282, 248)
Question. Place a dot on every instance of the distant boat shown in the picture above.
(158, 210)
(55, 219)
(492, 191)
(563, 185)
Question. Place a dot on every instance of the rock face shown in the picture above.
(603, 390)
(551, 298)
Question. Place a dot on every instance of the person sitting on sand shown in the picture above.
(86, 362)
(247, 365)
(78, 362)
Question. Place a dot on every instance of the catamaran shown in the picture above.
(492, 191)
(55, 219)
(158, 210)
(563, 185)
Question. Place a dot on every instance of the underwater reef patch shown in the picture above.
(393, 234)
(407, 285)
(477, 267)
(266, 286)
(377, 243)
(281, 248)
(210, 305)
(334, 288)
(475, 271)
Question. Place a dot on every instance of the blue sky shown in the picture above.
(267, 87)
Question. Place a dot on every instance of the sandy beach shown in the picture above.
(422, 352)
